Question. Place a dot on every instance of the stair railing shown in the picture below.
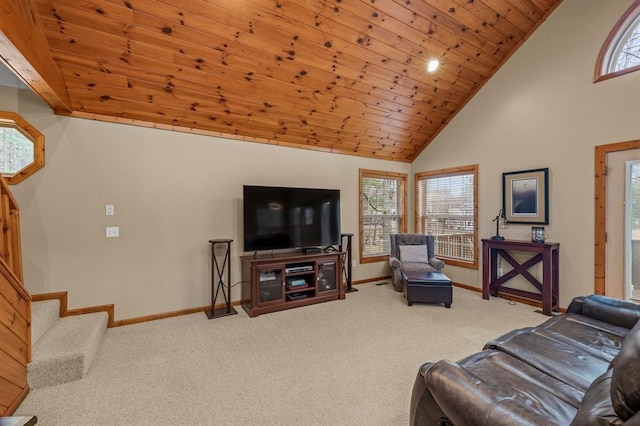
(10, 248)
(15, 344)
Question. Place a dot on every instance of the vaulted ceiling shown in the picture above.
(344, 76)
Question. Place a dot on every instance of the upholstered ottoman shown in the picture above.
(427, 287)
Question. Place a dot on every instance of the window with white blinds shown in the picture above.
(382, 212)
(446, 207)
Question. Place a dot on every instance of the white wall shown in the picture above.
(172, 193)
(542, 109)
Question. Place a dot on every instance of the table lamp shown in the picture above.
(497, 220)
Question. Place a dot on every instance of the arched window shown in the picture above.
(620, 53)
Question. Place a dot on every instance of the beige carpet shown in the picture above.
(350, 362)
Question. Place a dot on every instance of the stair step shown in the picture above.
(65, 352)
(44, 315)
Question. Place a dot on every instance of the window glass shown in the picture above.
(16, 150)
(628, 53)
(382, 212)
(446, 207)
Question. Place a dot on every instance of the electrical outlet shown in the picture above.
(353, 263)
(113, 231)
(109, 210)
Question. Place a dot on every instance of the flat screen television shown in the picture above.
(284, 218)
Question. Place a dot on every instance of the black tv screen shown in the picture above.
(281, 218)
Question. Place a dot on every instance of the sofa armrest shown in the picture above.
(468, 400)
(607, 309)
(394, 262)
(436, 263)
(575, 307)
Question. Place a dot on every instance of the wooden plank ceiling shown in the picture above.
(344, 76)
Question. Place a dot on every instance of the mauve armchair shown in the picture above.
(412, 252)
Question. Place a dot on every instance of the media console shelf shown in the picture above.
(291, 280)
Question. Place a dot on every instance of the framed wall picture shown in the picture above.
(525, 196)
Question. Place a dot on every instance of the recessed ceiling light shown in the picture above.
(433, 65)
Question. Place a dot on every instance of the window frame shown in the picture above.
(612, 44)
(14, 120)
(403, 178)
(453, 171)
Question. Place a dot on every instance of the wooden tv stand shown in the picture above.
(283, 281)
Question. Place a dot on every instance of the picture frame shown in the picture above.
(525, 196)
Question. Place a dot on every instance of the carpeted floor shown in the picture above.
(350, 362)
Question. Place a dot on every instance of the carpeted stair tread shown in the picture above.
(65, 352)
(44, 315)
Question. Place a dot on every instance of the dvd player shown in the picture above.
(293, 269)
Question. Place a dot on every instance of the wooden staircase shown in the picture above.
(15, 308)
(63, 347)
(64, 341)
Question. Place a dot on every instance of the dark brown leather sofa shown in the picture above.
(578, 368)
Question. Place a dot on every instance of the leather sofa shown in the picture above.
(578, 368)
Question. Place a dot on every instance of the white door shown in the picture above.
(617, 232)
(632, 231)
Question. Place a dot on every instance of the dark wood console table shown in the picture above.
(547, 253)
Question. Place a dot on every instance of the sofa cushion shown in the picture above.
(596, 407)
(564, 361)
(417, 253)
(492, 388)
(625, 385)
(501, 369)
(599, 338)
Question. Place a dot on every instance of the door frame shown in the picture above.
(600, 249)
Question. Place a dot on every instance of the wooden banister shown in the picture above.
(10, 247)
(15, 304)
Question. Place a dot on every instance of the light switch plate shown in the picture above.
(113, 231)
(109, 210)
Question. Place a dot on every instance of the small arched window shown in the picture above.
(620, 53)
